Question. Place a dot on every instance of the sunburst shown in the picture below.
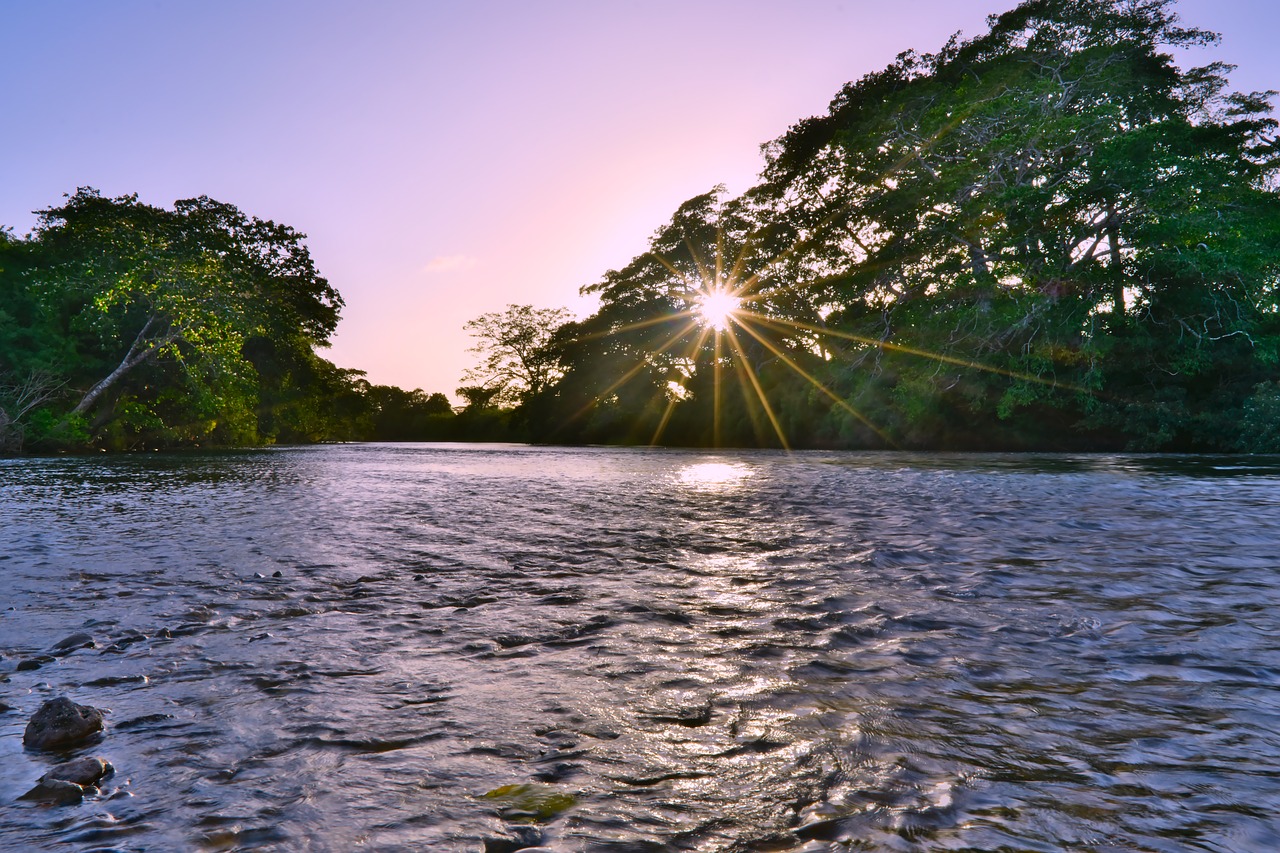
(717, 304)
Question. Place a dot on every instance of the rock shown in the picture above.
(81, 771)
(75, 641)
(61, 723)
(55, 791)
(33, 663)
(4, 707)
(66, 784)
(521, 838)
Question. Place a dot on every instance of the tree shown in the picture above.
(1056, 201)
(175, 297)
(477, 398)
(1045, 236)
(517, 363)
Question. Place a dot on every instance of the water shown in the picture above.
(668, 649)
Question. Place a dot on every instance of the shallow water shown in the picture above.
(670, 649)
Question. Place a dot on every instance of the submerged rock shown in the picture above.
(82, 771)
(33, 663)
(75, 641)
(521, 838)
(530, 802)
(61, 723)
(67, 783)
(56, 791)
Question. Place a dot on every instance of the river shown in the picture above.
(480, 647)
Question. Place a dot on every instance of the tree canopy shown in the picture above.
(124, 325)
(1047, 236)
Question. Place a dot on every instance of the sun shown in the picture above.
(717, 308)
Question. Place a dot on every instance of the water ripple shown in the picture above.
(350, 647)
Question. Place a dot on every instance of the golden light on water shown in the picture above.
(714, 476)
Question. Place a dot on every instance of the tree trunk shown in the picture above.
(1114, 267)
(139, 351)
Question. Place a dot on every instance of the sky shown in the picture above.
(447, 159)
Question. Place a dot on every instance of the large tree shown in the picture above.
(1055, 200)
(162, 308)
(1047, 235)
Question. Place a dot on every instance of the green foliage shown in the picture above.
(1048, 236)
(1260, 430)
(125, 326)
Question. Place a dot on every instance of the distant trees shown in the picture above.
(517, 361)
(399, 415)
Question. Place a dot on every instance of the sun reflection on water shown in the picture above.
(714, 476)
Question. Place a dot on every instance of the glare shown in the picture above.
(714, 476)
(717, 308)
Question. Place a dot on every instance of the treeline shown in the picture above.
(125, 326)
(1046, 237)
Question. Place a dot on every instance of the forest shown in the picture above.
(1046, 237)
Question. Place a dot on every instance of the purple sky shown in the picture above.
(449, 158)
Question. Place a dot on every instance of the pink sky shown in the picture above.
(449, 158)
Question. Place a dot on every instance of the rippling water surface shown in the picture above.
(424, 647)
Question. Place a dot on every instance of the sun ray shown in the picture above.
(835, 398)
(707, 283)
(626, 377)
(639, 324)
(671, 403)
(781, 324)
(738, 266)
(715, 393)
(719, 256)
(736, 345)
(675, 271)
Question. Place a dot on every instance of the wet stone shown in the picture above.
(81, 771)
(34, 663)
(75, 641)
(57, 792)
(61, 723)
(521, 838)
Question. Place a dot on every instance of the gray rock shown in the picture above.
(61, 723)
(55, 791)
(33, 663)
(81, 771)
(66, 783)
(75, 641)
